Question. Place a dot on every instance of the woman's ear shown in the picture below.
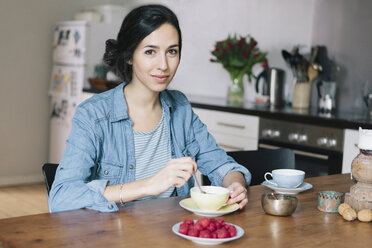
(129, 62)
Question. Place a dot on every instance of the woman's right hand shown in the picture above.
(175, 173)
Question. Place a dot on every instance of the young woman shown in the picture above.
(140, 140)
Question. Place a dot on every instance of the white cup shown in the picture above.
(286, 178)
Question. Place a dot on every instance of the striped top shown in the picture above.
(152, 152)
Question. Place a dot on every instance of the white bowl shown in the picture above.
(215, 198)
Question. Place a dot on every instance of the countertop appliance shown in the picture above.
(318, 150)
(327, 97)
(78, 46)
(272, 85)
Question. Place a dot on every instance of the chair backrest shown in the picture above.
(49, 171)
(258, 162)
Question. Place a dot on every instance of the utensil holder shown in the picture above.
(301, 95)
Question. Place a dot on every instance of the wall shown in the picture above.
(345, 28)
(276, 25)
(25, 65)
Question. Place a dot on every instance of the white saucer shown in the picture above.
(208, 241)
(190, 205)
(289, 191)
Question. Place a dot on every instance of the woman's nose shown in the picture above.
(163, 63)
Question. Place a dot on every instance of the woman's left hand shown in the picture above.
(238, 194)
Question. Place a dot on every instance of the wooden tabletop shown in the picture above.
(149, 223)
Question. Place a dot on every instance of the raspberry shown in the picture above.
(222, 233)
(205, 234)
(226, 226)
(184, 228)
(232, 231)
(188, 221)
(212, 227)
(193, 232)
(198, 226)
(221, 221)
(205, 222)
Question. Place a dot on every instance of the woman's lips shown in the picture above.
(160, 78)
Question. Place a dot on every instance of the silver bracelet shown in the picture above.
(120, 198)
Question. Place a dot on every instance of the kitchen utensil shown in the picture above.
(197, 182)
(312, 71)
(272, 85)
(214, 198)
(327, 96)
(280, 205)
(287, 56)
(301, 95)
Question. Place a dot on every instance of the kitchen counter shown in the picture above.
(343, 120)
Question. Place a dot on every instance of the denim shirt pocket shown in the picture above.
(109, 171)
(192, 149)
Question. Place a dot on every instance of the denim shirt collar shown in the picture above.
(120, 107)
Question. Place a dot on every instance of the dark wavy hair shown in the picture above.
(138, 24)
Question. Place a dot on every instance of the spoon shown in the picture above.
(272, 193)
(197, 182)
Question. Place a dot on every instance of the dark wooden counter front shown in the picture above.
(148, 224)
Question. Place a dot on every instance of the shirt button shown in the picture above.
(172, 153)
(188, 153)
(110, 206)
(106, 172)
(131, 166)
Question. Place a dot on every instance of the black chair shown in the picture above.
(49, 171)
(258, 162)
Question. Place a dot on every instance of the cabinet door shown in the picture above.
(351, 149)
(229, 123)
(235, 143)
(233, 132)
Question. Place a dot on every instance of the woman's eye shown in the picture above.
(173, 51)
(150, 52)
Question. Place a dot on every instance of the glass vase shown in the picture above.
(235, 92)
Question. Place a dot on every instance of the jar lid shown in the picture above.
(365, 139)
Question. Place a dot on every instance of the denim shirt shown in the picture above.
(100, 150)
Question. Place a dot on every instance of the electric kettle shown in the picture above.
(272, 85)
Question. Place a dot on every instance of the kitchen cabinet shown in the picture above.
(233, 132)
(351, 150)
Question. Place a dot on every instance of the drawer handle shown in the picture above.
(235, 148)
(230, 125)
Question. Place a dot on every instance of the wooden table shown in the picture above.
(148, 224)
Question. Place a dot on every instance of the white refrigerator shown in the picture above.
(78, 46)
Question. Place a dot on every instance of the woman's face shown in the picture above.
(156, 58)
